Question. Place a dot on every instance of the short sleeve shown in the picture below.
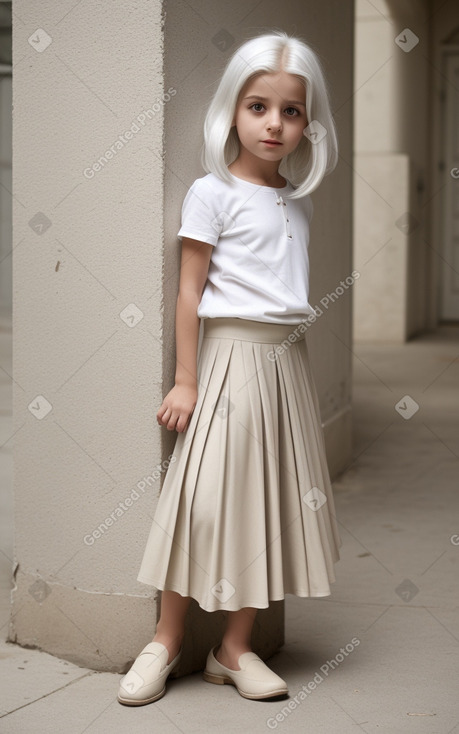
(200, 217)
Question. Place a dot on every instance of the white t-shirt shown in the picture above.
(259, 268)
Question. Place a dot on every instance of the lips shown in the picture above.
(271, 142)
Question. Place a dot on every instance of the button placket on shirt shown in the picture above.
(280, 201)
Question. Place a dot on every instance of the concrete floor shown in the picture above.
(396, 592)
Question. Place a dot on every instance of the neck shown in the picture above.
(265, 173)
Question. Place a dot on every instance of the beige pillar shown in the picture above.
(108, 113)
(392, 182)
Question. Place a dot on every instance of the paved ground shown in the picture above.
(393, 608)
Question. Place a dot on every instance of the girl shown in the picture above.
(246, 512)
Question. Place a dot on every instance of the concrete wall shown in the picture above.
(392, 171)
(96, 266)
(329, 28)
(444, 38)
(88, 244)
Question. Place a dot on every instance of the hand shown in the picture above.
(177, 408)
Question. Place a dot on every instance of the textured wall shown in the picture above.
(88, 243)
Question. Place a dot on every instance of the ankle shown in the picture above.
(229, 647)
(168, 637)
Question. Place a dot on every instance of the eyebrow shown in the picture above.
(257, 96)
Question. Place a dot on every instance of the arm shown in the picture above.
(179, 403)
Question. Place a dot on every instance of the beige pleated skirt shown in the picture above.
(246, 511)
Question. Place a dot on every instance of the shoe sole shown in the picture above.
(222, 679)
(141, 702)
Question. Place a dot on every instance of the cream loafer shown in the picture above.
(253, 680)
(146, 680)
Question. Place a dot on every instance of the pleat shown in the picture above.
(246, 512)
(310, 509)
(167, 557)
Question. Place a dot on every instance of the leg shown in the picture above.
(170, 629)
(236, 639)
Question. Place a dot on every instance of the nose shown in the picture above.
(275, 122)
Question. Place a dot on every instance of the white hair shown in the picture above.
(305, 166)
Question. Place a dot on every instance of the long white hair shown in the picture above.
(315, 156)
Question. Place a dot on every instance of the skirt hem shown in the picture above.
(256, 604)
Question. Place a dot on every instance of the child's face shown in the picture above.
(276, 110)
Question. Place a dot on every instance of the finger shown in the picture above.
(184, 424)
(163, 417)
(172, 421)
